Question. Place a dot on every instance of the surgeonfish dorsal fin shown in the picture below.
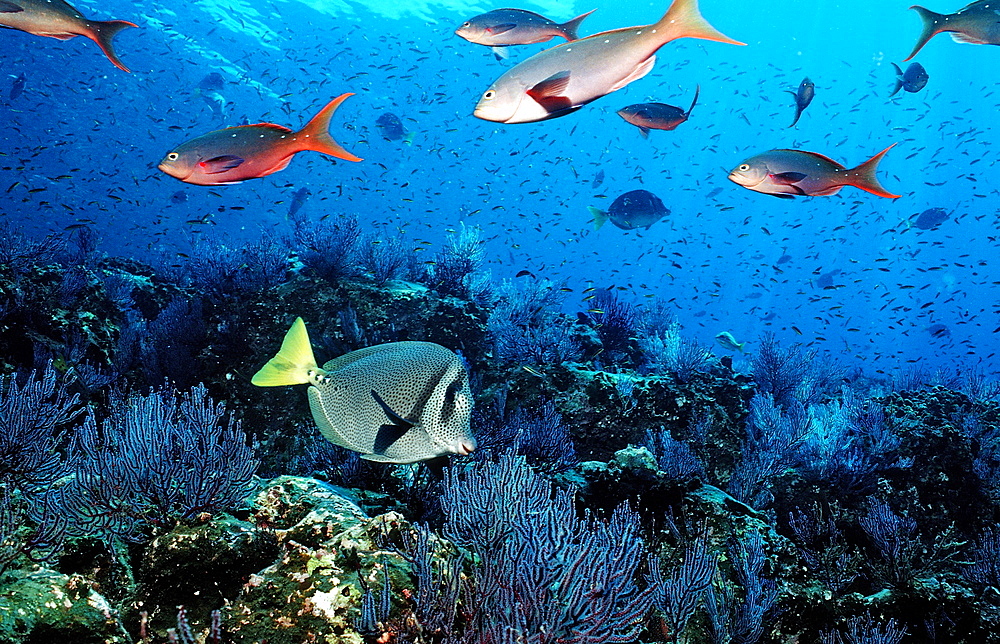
(292, 363)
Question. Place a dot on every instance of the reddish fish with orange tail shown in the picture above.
(789, 173)
(235, 154)
(57, 19)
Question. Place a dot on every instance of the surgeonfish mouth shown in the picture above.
(399, 402)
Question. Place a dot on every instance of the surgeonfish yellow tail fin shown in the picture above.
(683, 20)
(864, 177)
(103, 32)
(934, 23)
(292, 363)
(317, 132)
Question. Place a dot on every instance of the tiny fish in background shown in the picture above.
(634, 209)
(788, 173)
(803, 97)
(235, 154)
(502, 28)
(598, 179)
(912, 80)
(975, 24)
(726, 339)
(392, 129)
(57, 19)
(299, 198)
(179, 197)
(657, 116)
(400, 402)
(17, 85)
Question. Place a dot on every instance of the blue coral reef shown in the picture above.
(629, 485)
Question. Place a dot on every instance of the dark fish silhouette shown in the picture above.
(803, 97)
(939, 331)
(977, 24)
(57, 19)
(788, 173)
(213, 82)
(178, 197)
(299, 198)
(501, 28)
(634, 209)
(392, 128)
(598, 180)
(912, 80)
(930, 219)
(657, 116)
(17, 85)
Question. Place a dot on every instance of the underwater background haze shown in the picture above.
(855, 279)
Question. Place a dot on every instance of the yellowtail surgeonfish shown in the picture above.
(400, 402)
(564, 78)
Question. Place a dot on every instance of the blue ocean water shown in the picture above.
(81, 144)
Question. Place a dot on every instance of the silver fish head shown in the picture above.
(474, 32)
(749, 174)
(507, 101)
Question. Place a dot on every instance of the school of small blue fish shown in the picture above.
(527, 115)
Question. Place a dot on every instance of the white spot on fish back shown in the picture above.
(608, 40)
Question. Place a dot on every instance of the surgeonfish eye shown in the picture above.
(465, 25)
(490, 93)
(173, 156)
(744, 167)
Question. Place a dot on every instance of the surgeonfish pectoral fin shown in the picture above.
(389, 433)
(316, 134)
(683, 20)
(600, 217)
(103, 33)
(10, 7)
(934, 23)
(393, 416)
(292, 363)
(864, 176)
(570, 28)
(500, 53)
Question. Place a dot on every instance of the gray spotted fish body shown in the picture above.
(400, 402)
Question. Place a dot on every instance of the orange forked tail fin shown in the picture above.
(103, 33)
(683, 20)
(934, 23)
(864, 177)
(316, 133)
(569, 28)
